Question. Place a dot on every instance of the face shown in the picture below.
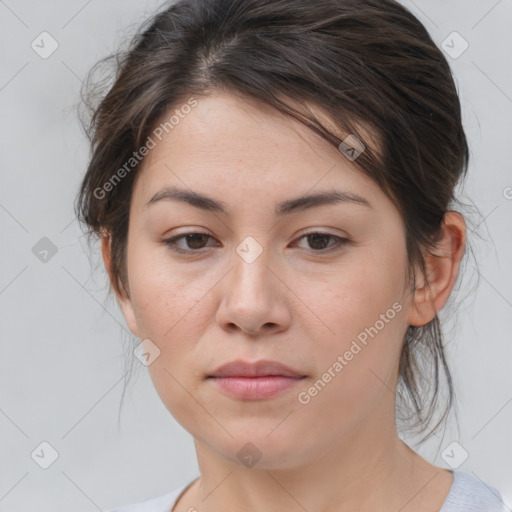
(318, 287)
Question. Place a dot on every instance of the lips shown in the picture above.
(254, 381)
(241, 368)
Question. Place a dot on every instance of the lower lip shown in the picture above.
(255, 388)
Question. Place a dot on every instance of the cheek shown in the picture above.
(164, 296)
(356, 295)
(173, 308)
(357, 367)
(169, 311)
(364, 312)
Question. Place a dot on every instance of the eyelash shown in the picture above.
(172, 242)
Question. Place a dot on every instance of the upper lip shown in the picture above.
(241, 368)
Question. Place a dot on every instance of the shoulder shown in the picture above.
(469, 494)
(162, 503)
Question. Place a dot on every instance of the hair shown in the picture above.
(369, 65)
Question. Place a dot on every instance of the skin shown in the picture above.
(295, 304)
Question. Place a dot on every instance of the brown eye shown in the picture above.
(319, 242)
(194, 242)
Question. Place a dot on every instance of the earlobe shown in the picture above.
(442, 268)
(422, 309)
(124, 300)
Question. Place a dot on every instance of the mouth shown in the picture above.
(262, 368)
(255, 381)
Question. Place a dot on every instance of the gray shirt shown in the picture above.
(468, 494)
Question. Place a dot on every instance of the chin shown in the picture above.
(252, 447)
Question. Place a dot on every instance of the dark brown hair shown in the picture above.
(366, 64)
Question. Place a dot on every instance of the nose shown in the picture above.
(254, 298)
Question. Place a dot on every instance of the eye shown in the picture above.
(195, 242)
(318, 241)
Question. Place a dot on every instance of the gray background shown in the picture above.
(61, 375)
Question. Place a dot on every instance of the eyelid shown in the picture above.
(340, 241)
(172, 242)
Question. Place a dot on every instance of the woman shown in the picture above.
(273, 185)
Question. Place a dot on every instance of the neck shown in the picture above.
(366, 471)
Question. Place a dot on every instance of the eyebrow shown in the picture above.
(301, 203)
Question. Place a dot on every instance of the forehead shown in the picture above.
(232, 148)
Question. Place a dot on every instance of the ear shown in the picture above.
(442, 268)
(123, 299)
